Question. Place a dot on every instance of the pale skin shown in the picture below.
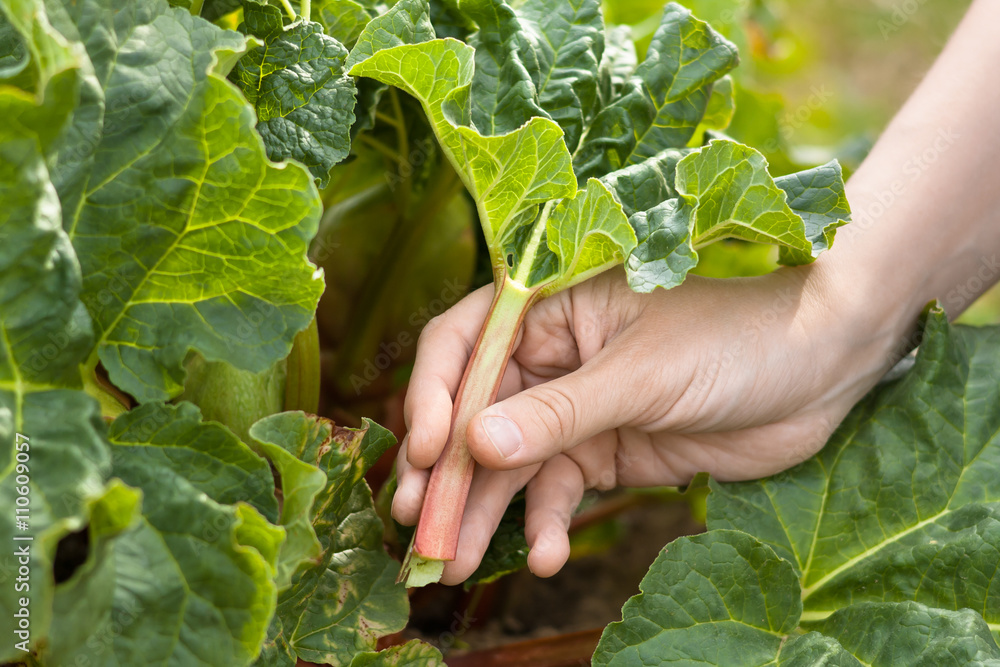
(739, 378)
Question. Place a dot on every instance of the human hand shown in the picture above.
(739, 378)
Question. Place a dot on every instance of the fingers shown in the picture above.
(538, 423)
(489, 496)
(552, 496)
(410, 487)
(442, 353)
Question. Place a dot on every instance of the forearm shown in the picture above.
(926, 201)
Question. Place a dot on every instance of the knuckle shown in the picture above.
(556, 411)
(430, 331)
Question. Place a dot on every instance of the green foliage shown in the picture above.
(146, 230)
(880, 550)
(490, 120)
(297, 85)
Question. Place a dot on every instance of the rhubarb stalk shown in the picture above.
(436, 538)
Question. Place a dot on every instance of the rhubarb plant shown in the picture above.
(578, 161)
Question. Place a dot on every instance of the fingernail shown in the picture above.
(504, 435)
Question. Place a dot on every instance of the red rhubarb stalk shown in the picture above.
(436, 538)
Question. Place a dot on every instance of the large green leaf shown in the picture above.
(567, 40)
(174, 440)
(724, 598)
(909, 633)
(507, 175)
(199, 560)
(663, 255)
(502, 93)
(297, 84)
(301, 483)
(734, 197)
(721, 598)
(904, 501)
(348, 597)
(51, 439)
(664, 100)
(187, 236)
(641, 186)
(14, 56)
(617, 63)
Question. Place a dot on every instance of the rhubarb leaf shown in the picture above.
(507, 175)
(208, 253)
(663, 255)
(817, 196)
(408, 22)
(45, 333)
(762, 211)
(413, 653)
(348, 597)
(692, 610)
(903, 503)
(589, 233)
(301, 484)
(724, 598)
(567, 40)
(641, 186)
(508, 549)
(719, 112)
(297, 85)
(192, 561)
(175, 440)
(663, 101)
(341, 19)
(908, 633)
(617, 64)
(45, 329)
(734, 197)
(501, 94)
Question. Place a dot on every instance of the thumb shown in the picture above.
(538, 423)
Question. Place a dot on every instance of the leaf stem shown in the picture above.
(302, 377)
(531, 249)
(380, 147)
(288, 9)
(404, 151)
(444, 504)
(392, 268)
(305, 8)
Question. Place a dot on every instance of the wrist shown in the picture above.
(867, 323)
